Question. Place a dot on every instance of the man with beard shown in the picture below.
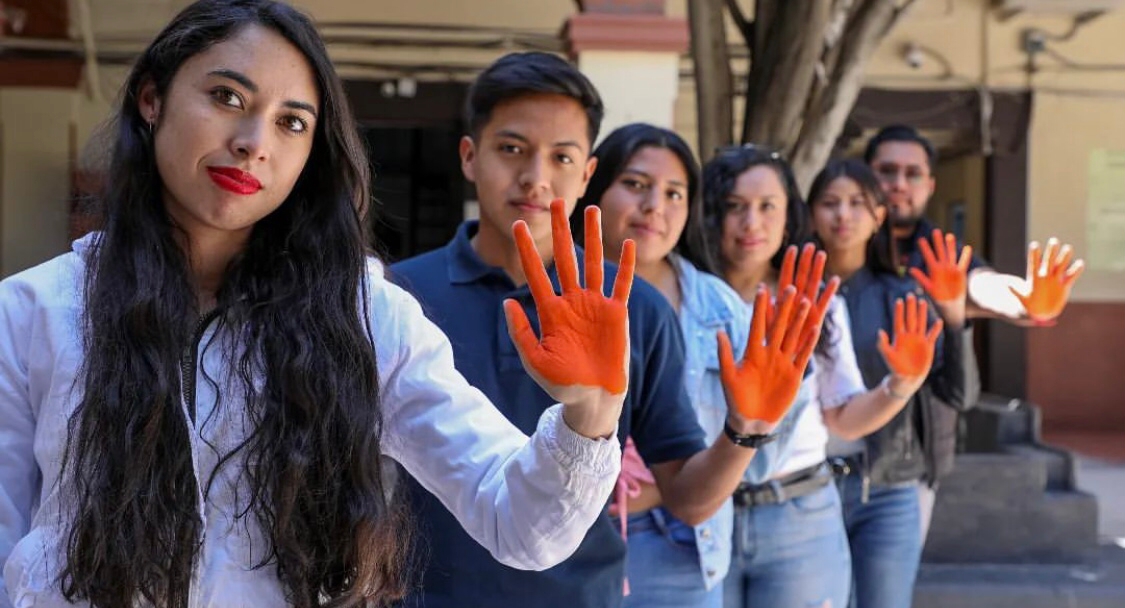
(904, 162)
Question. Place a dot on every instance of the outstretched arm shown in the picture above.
(759, 389)
(1036, 300)
(529, 502)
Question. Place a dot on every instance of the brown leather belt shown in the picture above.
(776, 491)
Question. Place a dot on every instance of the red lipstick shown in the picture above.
(234, 180)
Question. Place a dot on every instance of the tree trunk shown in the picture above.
(713, 89)
(781, 75)
(830, 104)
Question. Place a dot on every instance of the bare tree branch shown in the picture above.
(765, 12)
(744, 26)
(713, 80)
(780, 78)
(869, 23)
(899, 12)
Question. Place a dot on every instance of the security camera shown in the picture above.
(913, 55)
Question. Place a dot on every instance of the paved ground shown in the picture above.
(1106, 480)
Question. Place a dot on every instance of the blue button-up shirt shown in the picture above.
(464, 296)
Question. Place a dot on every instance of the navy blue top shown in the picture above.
(910, 256)
(464, 296)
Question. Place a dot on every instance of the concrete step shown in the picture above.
(1000, 476)
(1048, 527)
(1099, 583)
(1058, 464)
(998, 421)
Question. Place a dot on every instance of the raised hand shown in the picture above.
(582, 354)
(804, 276)
(912, 353)
(948, 273)
(764, 384)
(1050, 276)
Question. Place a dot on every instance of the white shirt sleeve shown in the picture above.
(19, 473)
(530, 502)
(840, 378)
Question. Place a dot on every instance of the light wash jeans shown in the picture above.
(663, 565)
(790, 555)
(886, 541)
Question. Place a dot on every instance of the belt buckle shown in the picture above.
(840, 466)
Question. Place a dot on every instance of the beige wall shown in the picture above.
(636, 86)
(1075, 111)
(1064, 132)
(35, 176)
(965, 46)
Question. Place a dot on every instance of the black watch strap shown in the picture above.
(746, 441)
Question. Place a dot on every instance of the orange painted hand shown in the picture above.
(806, 277)
(801, 276)
(948, 274)
(1050, 275)
(912, 353)
(584, 341)
(765, 383)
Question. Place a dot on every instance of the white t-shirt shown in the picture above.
(835, 379)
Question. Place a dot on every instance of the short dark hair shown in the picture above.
(518, 74)
(901, 133)
(614, 154)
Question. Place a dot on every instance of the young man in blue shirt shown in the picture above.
(532, 121)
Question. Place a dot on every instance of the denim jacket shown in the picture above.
(710, 305)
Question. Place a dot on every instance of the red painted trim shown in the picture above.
(617, 32)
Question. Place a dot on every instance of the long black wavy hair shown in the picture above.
(295, 303)
(719, 177)
(880, 252)
(614, 154)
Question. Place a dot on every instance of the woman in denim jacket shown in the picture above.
(883, 470)
(647, 185)
(790, 546)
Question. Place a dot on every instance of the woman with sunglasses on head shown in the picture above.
(791, 549)
(647, 186)
(883, 469)
(196, 401)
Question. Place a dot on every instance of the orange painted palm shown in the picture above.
(1050, 275)
(912, 352)
(764, 384)
(805, 276)
(584, 336)
(946, 276)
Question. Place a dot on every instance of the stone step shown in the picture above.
(997, 421)
(995, 477)
(1099, 583)
(1048, 527)
(1058, 464)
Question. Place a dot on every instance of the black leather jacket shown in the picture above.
(920, 441)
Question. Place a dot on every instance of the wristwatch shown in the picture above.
(746, 441)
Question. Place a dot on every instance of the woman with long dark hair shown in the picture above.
(194, 403)
(790, 548)
(885, 468)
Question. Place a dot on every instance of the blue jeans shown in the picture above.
(663, 565)
(790, 555)
(886, 541)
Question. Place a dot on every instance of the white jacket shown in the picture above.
(529, 502)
